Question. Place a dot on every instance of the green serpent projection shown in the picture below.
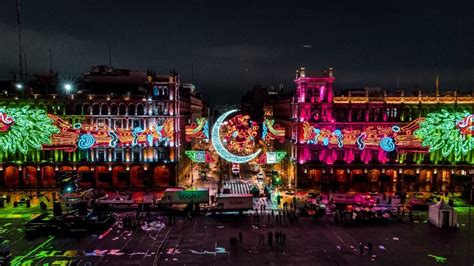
(24, 129)
(449, 132)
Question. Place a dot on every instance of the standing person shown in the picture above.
(369, 246)
(277, 237)
(264, 207)
(240, 237)
(361, 248)
(284, 239)
(270, 239)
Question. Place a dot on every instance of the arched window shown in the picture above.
(140, 109)
(121, 110)
(131, 109)
(104, 110)
(96, 109)
(113, 109)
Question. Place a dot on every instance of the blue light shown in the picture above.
(325, 141)
(360, 141)
(149, 138)
(113, 139)
(396, 129)
(77, 126)
(135, 132)
(387, 144)
(85, 141)
(339, 136)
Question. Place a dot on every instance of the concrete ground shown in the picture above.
(205, 240)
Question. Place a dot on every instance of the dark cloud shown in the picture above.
(235, 44)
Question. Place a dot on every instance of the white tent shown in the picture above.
(442, 215)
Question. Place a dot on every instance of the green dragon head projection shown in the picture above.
(448, 132)
(24, 129)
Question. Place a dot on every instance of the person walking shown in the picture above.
(369, 247)
(284, 239)
(277, 237)
(270, 239)
(361, 248)
(240, 237)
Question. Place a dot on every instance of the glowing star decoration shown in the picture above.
(396, 129)
(443, 131)
(25, 129)
(219, 147)
(196, 156)
(387, 144)
(86, 141)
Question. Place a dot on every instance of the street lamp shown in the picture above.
(67, 87)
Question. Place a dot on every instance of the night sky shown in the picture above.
(236, 44)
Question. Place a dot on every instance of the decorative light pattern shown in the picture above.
(360, 141)
(272, 131)
(113, 139)
(275, 156)
(86, 141)
(198, 130)
(196, 156)
(69, 136)
(240, 134)
(28, 129)
(387, 144)
(339, 136)
(135, 133)
(442, 131)
(219, 147)
(5, 122)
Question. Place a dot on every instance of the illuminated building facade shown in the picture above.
(124, 134)
(373, 141)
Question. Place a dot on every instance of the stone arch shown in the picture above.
(78, 109)
(132, 109)
(140, 109)
(122, 109)
(104, 109)
(95, 109)
(113, 109)
(86, 109)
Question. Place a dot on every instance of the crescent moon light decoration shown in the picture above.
(219, 147)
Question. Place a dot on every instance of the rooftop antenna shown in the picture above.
(18, 23)
(50, 60)
(26, 69)
(398, 82)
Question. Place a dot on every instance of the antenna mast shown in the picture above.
(18, 23)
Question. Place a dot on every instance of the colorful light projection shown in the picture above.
(240, 134)
(271, 157)
(198, 130)
(24, 129)
(221, 149)
(448, 132)
(270, 131)
(199, 156)
(86, 136)
(384, 137)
